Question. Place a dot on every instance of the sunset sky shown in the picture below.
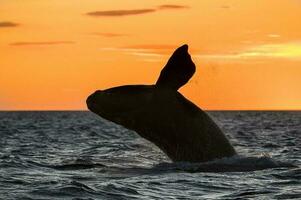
(54, 53)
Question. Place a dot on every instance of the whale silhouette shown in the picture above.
(160, 114)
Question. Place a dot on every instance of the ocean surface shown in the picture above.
(78, 155)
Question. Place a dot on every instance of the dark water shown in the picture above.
(77, 155)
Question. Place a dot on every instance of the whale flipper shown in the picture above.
(178, 70)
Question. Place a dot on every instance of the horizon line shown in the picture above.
(208, 110)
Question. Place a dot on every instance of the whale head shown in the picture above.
(119, 103)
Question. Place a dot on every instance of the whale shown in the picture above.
(162, 115)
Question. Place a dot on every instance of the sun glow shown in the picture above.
(54, 53)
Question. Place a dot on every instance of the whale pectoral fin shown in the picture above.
(178, 70)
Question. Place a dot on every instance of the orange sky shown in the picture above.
(54, 53)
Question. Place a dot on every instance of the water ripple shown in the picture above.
(76, 155)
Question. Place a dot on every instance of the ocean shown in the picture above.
(78, 155)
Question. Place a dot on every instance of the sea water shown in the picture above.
(78, 155)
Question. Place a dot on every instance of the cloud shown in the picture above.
(120, 13)
(147, 52)
(41, 43)
(152, 47)
(171, 6)
(5, 24)
(144, 50)
(273, 35)
(110, 34)
(290, 50)
(147, 49)
(154, 50)
(225, 7)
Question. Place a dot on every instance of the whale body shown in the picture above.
(162, 115)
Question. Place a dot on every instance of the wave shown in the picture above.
(77, 164)
(236, 163)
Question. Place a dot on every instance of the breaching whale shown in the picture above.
(160, 114)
